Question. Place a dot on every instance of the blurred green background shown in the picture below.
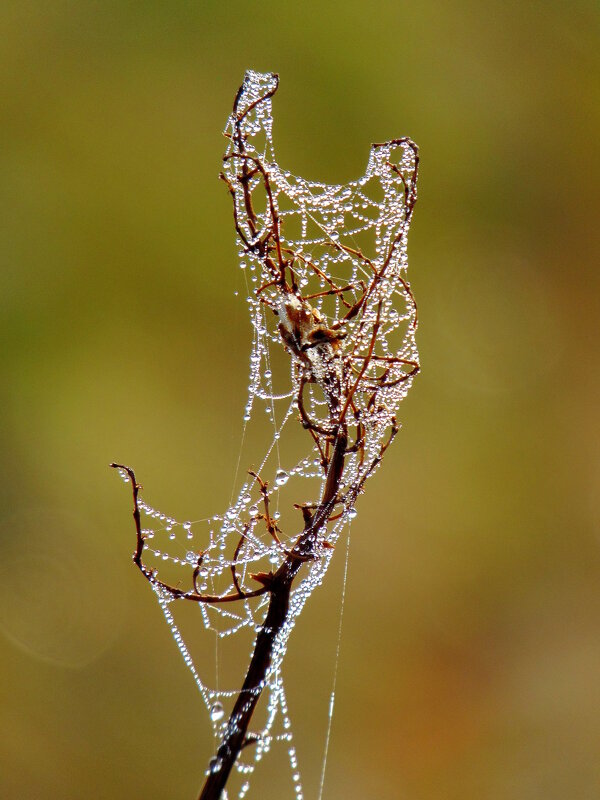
(470, 658)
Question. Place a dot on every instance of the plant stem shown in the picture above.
(280, 585)
(237, 727)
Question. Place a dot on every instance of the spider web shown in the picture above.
(348, 320)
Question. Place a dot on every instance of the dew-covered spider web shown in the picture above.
(333, 354)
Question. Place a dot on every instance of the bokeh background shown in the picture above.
(470, 657)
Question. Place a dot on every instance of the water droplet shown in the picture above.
(352, 512)
(217, 712)
(215, 764)
(281, 477)
(253, 511)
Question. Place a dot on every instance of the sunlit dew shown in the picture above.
(338, 238)
(281, 477)
(217, 712)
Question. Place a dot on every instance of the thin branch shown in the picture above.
(340, 359)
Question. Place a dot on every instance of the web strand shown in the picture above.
(335, 668)
(333, 355)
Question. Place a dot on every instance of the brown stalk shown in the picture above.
(330, 437)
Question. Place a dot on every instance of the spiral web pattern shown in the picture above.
(335, 340)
